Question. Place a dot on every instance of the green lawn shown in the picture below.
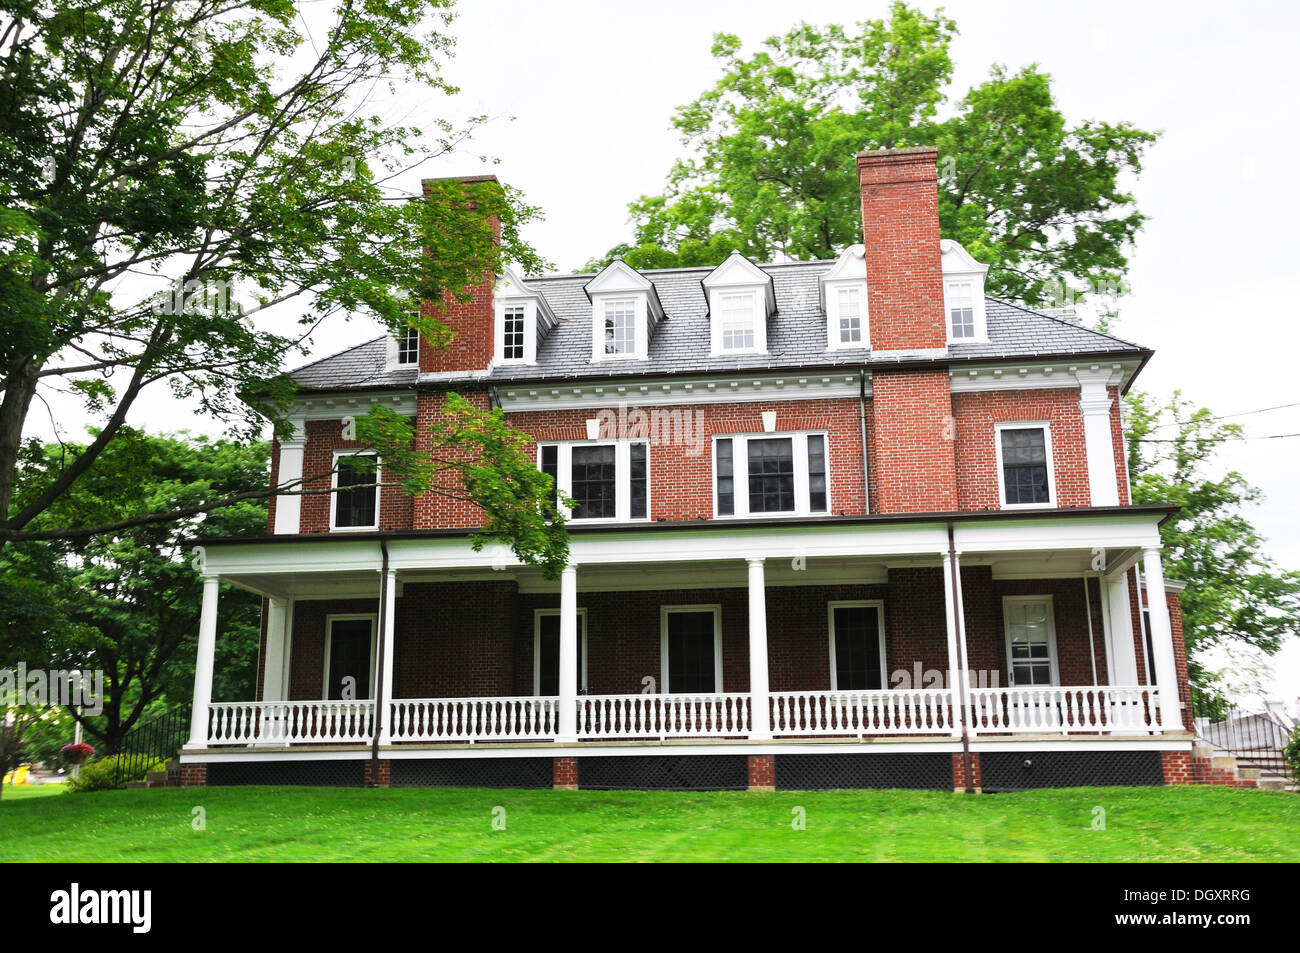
(21, 792)
(344, 824)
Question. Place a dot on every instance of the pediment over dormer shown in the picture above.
(625, 309)
(963, 293)
(739, 272)
(843, 294)
(522, 317)
(741, 297)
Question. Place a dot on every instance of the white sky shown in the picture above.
(592, 87)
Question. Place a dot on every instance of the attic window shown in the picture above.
(963, 294)
(849, 303)
(620, 327)
(961, 310)
(408, 347)
(737, 322)
(512, 330)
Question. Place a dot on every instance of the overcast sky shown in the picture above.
(592, 87)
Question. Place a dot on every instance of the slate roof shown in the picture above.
(680, 343)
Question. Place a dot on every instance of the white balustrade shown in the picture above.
(921, 712)
(720, 715)
(339, 722)
(526, 718)
(1063, 709)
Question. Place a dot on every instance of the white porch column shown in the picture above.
(1094, 405)
(760, 716)
(955, 665)
(568, 701)
(207, 651)
(277, 644)
(1162, 641)
(385, 673)
(288, 509)
(1117, 617)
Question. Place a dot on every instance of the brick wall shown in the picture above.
(324, 438)
(434, 510)
(911, 442)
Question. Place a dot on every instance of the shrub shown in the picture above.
(1292, 753)
(101, 775)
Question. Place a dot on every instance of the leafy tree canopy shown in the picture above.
(770, 168)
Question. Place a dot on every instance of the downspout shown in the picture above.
(862, 411)
(379, 664)
(961, 662)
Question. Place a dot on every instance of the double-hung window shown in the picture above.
(620, 327)
(607, 480)
(1024, 453)
(782, 474)
(849, 309)
(737, 321)
(961, 310)
(356, 491)
(512, 330)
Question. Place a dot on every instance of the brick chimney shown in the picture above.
(900, 228)
(913, 432)
(472, 322)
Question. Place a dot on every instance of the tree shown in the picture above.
(127, 603)
(173, 170)
(771, 171)
(1236, 595)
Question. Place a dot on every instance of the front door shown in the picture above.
(548, 654)
(858, 652)
(348, 674)
(692, 656)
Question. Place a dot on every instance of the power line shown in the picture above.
(1268, 436)
(1244, 413)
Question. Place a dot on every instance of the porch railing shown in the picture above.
(718, 715)
(1063, 709)
(527, 718)
(925, 712)
(320, 722)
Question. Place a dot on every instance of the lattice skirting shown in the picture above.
(822, 772)
(1019, 771)
(471, 773)
(337, 774)
(723, 772)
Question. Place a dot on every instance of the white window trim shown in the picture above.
(640, 325)
(740, 464)
(1051, 464)
(334, 485)
(329, 642)
(879, 606)
(664, 612)
(758, 302)
(530, 330)
(622, 478)
(978, 309)
(537, 649)
(832, 295)
(1051, 637)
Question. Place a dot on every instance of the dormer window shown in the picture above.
(741, 299)
(625, 309)
(408, 348)
(523, 317)
(844, 298)
(963, 294)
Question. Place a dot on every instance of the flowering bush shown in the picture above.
(76, 752)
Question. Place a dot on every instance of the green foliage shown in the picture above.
(127, 602)
(101, 775)
(1236, 595)
(169, 171)
(1292, 753)
(771, 168)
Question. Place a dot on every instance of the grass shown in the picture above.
(21, 792)
(346, 824)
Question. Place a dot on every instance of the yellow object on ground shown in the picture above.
(17, 777)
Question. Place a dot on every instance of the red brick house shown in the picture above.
(844, 523)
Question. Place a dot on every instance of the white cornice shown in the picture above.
(334, 406)
(682, 390)
(1037, 376)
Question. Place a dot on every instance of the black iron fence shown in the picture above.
(1254, 736)
(156, 740)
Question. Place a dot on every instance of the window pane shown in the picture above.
(1024, 465)
(817, 473)
(620, 327)
(690, 652)
(513, 345)
(961, 310)
(354, 502)
(408, 348)
(551, 467)
(639, 454)
(857, 648)
(771, 475)
(737, 322)
(726, 480)
(593, 482)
